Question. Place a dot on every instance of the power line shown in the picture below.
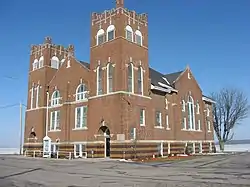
(8, 106)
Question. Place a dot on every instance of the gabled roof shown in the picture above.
(171, 77)
(155, 77)
(86, 64)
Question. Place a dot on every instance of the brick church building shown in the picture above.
(116, 105)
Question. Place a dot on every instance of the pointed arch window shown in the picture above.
(55, 98)
(191, 114)
(100, 37)
(55, 62)
(41, 61)
(140, 81)
(131, 78)
(110, 75)
(35, 64)
(138, 37)
(183, 106)
(81, 92)
(197, 107)
(129, 33)
(99, 80)
(110, 32)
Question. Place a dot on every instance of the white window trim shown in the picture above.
(133, 84)
(143, 117)
(110, 29)
(41, 61)
(101, 32)
(81, 93)
(192, 119)
(56, 60)
(134, 134)
(198, 108)
(160, 116)
(208, 126)
(129, 29)
(80, 155)
(142, 82)
(55, 101)
(37, 96)
(81, 118)
(166, 103)
(97, 80)
(35, 64)
(199, 125)
(185, 124)
(208, 112)
(138, 33)
(32, 98)
(107, 72)
(183, 105)
(167, 122)
(55, 125)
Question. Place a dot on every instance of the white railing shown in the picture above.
(57, 154)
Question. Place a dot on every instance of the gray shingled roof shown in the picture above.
(86, 64)
(171, 77)
(155, 76)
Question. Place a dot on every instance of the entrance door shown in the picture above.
(107, 146)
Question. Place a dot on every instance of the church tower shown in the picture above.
(119, 47)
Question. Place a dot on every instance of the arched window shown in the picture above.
(208, 112)
(110, 32)
(54, 62)
(197, 107)
(166, 103)
(35, 64)
(138, 37)
(110, 74)
(41, 60)
(55, 98)
(183, 106)
(191, 115)
(100, 37)
(129, 33)
(99, 80)
(81, 92)
(140, 80)
(131, 78)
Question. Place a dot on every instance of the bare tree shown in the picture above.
(230, 109)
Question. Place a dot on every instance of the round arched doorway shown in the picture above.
(104, 130)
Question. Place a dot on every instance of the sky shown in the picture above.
(211, 36)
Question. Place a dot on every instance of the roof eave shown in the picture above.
(208, 100)
(160, 89)
(168, 87)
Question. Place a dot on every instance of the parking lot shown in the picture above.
(220, 170)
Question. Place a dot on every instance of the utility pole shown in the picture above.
(21, 129)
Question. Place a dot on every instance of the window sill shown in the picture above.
(209, 131)
(159, 127)
(191, 130)
(168, 129)
(142, 125)
(80, 129)
(55, 130)
(55, 106)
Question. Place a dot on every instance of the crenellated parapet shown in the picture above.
(39, 49)
(103, 17)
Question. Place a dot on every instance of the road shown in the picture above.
(220, 170)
